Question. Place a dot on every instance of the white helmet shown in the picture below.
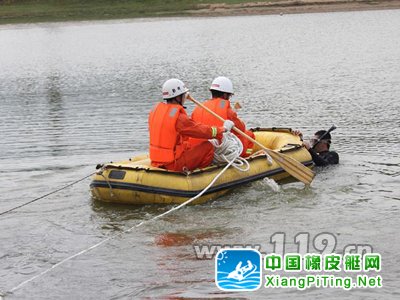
(172, 88)
(222, 84)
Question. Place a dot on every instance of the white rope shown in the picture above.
(125, 231)
(46, 195)
(230, 149)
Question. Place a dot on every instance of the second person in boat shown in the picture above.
(221, 91)
(170, 129)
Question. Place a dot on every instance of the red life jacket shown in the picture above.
(200, 115)
(221, 107)
(166, 144)
(218, 105)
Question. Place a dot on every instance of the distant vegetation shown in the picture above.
(62, 10)
(27, 11)
(17, 11)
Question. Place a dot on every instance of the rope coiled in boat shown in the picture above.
(229, 149)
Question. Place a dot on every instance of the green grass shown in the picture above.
(23, 11)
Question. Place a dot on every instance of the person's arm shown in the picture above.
(187, 127)
(232, 115)
(318, 159)
(325, 158)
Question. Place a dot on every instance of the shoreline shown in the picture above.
(44, 11)
(294, 7)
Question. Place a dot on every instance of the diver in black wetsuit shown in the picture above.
(319, 149)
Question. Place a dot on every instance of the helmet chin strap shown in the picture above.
(181, 102)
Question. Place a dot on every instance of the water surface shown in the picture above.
(76, 94)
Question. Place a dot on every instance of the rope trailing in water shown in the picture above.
(130, 229)
(46, 195)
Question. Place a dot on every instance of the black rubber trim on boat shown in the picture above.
(187, 194)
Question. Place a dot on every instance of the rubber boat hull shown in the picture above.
(135, 181)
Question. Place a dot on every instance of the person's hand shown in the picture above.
(185, 96)
(237, 106)
(297, 133)
(228, 125)
(307, 144)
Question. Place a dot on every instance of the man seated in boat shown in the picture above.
(221, 91)
(319, 149)
(170, 129)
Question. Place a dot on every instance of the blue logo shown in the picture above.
(238, 269)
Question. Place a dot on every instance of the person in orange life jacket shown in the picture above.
(221, 91)
(170, 128)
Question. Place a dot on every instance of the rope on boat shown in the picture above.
(230, 149)
(106, 179)
(46, 195)
(124, 231)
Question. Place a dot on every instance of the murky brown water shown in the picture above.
(76, 94)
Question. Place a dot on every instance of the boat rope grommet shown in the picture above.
(269, 158)
(108, 182)
(186, 171)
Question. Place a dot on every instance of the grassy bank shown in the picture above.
(26, 11)
(21, 11)
(14, 11)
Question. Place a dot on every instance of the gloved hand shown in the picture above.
(228, 124)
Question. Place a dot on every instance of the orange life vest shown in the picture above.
(200, 115)
(166, 144)
(218, 105)
(221, 107)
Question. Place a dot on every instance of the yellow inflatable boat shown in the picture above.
(135, 181)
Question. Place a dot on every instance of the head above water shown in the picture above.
(324, 144)
(326, 135)
(221, 87)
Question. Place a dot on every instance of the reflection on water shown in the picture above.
(76, 94)
(55, 115)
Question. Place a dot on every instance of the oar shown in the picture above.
(290, 165)
(322, 136)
